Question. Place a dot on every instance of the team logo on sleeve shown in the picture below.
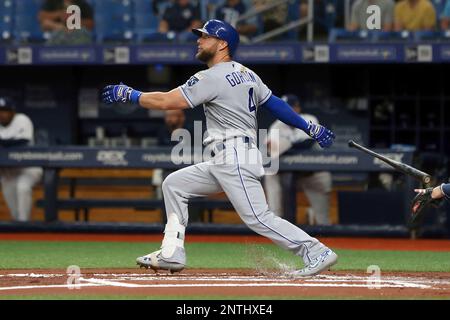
(194, 79)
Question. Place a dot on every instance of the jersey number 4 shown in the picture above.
(251, 100)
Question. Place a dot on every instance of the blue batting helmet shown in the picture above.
(222, 30)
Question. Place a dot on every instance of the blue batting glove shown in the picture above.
(321, 134)
(120, 93)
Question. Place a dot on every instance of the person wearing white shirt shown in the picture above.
(16, 130)
(316, 185)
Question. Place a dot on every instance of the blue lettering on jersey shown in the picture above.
(239, 77)
(230, 80)
(236, 78)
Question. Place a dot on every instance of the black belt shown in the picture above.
(221, 145)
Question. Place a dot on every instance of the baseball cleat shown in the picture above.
(156, 262)
(322, 263)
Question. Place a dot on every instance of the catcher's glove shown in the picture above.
(420, 201)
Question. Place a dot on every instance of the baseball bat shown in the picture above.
(424, 177)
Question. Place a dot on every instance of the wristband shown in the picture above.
(135, 95)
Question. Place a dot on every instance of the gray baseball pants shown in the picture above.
(237, 169)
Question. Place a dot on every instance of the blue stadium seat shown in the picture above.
(203, 5)
(145, 27)
(106, 30)
(429, 35)
(27, 28)
(5, 32)
(6, 6)
(142, 6)
(30, 7)
(91, 3)
(338, 34)
(113, 20)
(6, 20)
(293, 15)
(393, 36)
(146, 23)
(439, 6)
(330, 11)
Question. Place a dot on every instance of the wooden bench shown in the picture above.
(85, 205)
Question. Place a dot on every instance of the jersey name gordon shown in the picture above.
(239, 77)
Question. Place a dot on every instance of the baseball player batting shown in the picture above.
(231, 95)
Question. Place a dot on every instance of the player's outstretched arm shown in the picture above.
(286, 114)
(151, 100)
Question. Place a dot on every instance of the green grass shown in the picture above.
(42, 254)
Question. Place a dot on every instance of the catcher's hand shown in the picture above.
(420, 202)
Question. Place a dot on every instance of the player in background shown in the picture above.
(231, 95)
(16, 130)
(315, 185)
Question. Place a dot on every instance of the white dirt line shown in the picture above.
(385, 279)
(324, 283)
(180, 277)
(412, 285)
(110, 283)
(34, 275)
(106, 284)
(221, 285)
(51, 286)
(242, 279)
(251, 279)
(401, 281)
(208, 277)
(198, 279)
(322, 278)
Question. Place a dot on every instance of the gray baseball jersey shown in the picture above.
(230, 94)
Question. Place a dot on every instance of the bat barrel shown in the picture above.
(423, 177)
